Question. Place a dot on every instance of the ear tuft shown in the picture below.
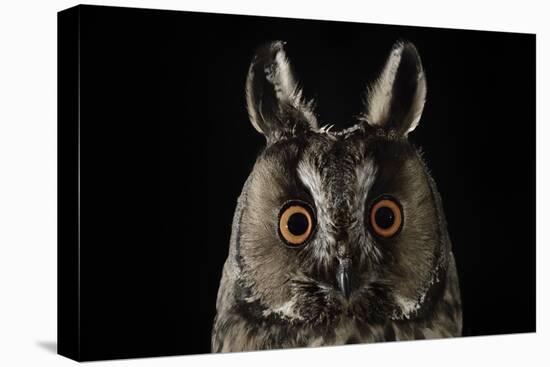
(396, 100)
(274, 100)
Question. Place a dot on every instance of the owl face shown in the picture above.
(337, 224)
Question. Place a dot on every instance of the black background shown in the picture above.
(166, 146)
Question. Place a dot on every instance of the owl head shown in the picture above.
(337, 223)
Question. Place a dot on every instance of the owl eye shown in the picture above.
(386, 217)
(296, 223)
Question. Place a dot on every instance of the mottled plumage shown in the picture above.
(364, 274)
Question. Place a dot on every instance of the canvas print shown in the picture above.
(236, 183)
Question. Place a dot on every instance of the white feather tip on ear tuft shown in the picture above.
(395, 101)
(274, 99)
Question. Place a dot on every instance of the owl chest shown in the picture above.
(346, 331)
(246, 335)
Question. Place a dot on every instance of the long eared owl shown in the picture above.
(338, 236)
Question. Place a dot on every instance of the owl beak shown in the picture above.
(343, 277)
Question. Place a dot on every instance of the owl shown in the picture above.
(338, 237)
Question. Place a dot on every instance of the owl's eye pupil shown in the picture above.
(297, 224)
(384, 217)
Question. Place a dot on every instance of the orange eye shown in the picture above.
(295, 223)
(386, 217)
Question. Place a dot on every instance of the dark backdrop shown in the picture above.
(166, 146)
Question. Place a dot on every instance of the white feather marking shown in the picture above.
(312, 181)
(380, 93)
(283, 80)
(418, 103)
(280, 76)
(408, 306)
(366, 174)
(285, 310)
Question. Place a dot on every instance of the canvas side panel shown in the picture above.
(68, 309)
